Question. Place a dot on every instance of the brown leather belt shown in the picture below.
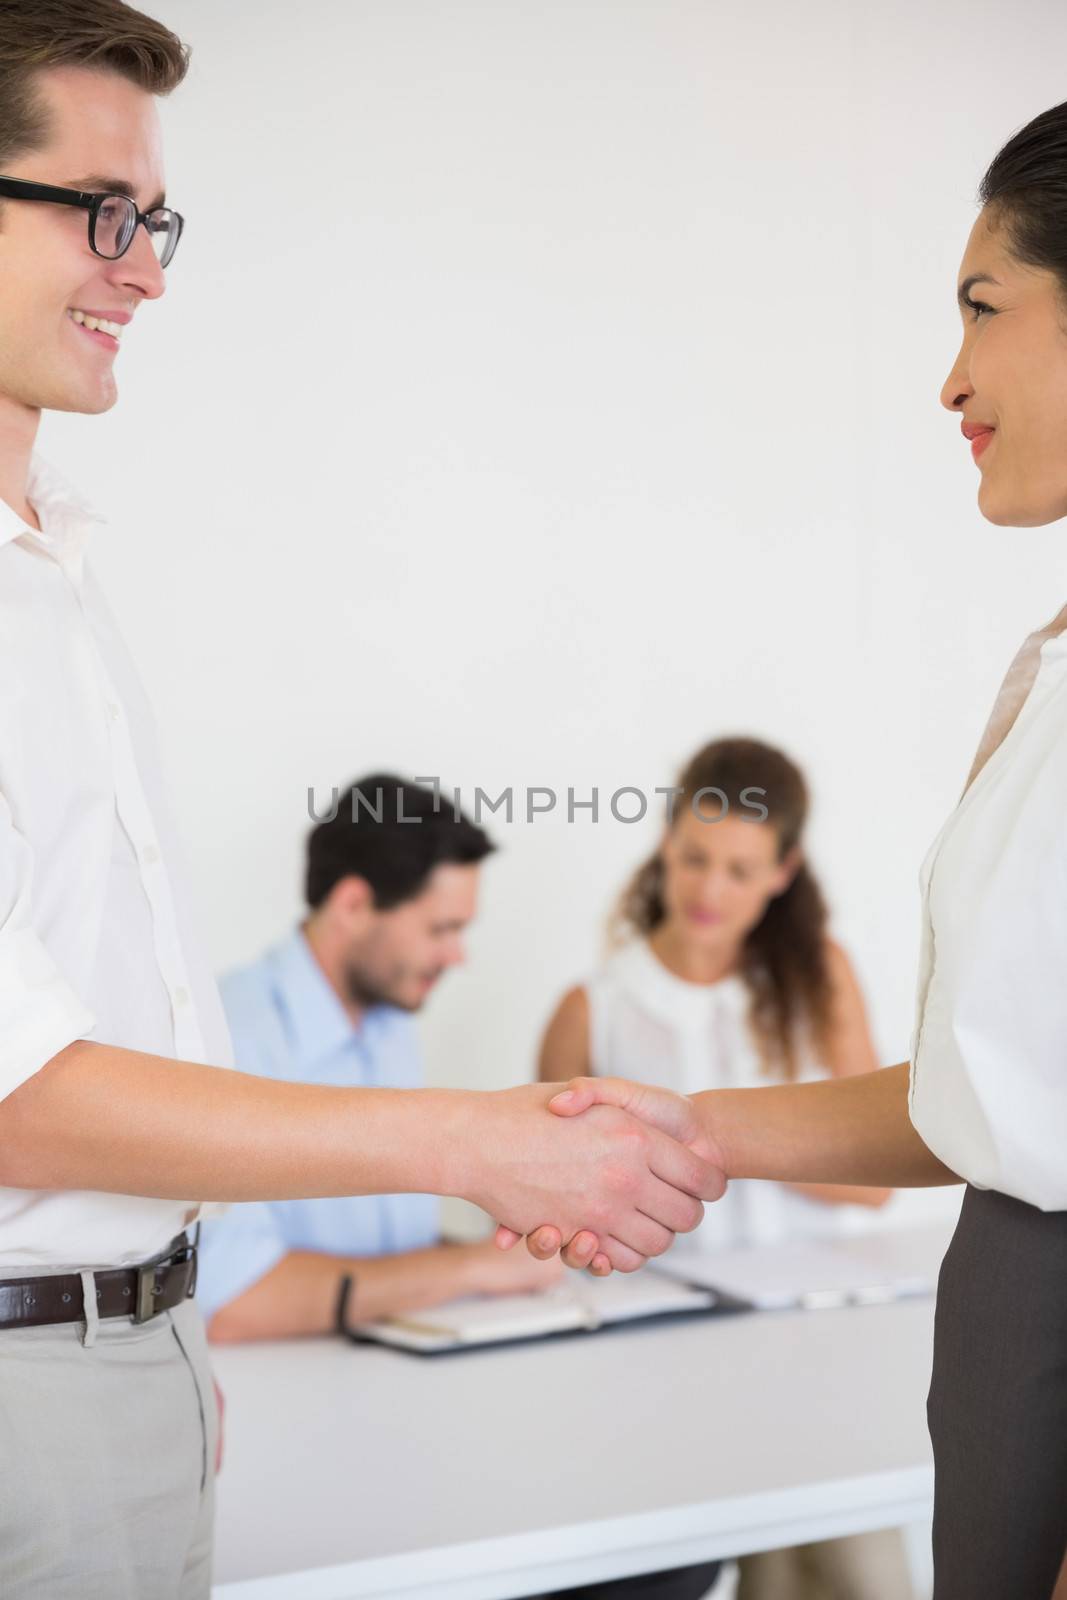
(140, 1292)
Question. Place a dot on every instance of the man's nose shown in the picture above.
(139, 270)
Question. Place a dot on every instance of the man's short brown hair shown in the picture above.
(103, 34)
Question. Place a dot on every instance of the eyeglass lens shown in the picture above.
(116, 222)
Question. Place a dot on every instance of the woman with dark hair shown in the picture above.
(723, 976)
(984, 1098)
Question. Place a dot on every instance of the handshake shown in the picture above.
(609, 1178)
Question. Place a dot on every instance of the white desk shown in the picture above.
(358, 1472)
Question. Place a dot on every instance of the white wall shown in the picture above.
(541, 390)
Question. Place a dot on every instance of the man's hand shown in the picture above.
(221, 1403)
(519, 1273)
(622, 1179)
(672, 1114)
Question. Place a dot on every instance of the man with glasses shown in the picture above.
(116, 1122)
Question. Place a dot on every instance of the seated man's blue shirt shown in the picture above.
(287, 1022)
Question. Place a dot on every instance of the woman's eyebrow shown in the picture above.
(968, 284)
(98, 183)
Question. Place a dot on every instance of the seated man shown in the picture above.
(391, 888)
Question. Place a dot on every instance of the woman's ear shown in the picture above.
(787, 870)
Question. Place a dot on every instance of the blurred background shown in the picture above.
(542, 390)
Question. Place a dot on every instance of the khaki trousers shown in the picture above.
(107, 1456)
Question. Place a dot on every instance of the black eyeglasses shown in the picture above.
(113, 218)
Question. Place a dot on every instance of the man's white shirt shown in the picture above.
(96, 937)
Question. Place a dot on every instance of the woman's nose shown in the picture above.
(957, 387)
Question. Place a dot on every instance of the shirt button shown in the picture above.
(113, 710)
(181, 997)
(149, 855)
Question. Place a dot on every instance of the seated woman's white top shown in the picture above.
(649, 1025)
(988, 1089)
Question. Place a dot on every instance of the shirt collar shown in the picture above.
(65, 516)
(318, 1022)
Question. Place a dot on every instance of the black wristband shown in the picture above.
(344, 1294)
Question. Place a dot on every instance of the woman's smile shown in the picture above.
(980, 435)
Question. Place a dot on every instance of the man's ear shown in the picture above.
(351, 897)
(787, 870)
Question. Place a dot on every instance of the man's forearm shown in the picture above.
(299, 1295)
(846, 1130)
(99, 1117)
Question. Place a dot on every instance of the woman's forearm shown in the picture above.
(844, 1130)
(844, 1194)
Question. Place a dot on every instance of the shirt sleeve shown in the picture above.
(39, 1012)
(235, 1251)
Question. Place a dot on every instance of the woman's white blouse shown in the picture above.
(988, 1090)
(647, 1024)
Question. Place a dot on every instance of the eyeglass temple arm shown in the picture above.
(20, 188)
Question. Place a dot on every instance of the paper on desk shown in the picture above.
(580, 1302)
(626, 1295)
(851, 1270)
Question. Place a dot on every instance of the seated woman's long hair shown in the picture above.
(783, 960)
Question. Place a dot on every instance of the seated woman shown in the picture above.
(724, 976)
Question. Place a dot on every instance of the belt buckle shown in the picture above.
(148, 1288)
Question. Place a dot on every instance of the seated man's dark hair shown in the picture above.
(393, 834)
